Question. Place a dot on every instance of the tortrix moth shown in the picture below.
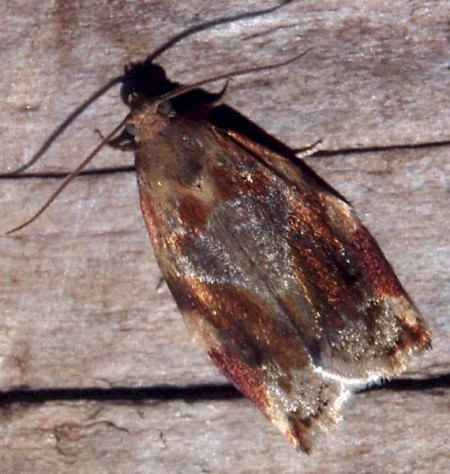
(274, 273)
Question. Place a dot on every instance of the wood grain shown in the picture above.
(222, 437)
(78, 289)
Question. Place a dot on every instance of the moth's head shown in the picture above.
(143, 82)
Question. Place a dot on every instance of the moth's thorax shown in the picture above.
(176, 156)
(147, 122)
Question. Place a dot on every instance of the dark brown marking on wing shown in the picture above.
(414, 336)
(321, 261)
(376, 266)
(193, 212)
(230, 183)
(246, 326)
(244, 378)
(300, 428)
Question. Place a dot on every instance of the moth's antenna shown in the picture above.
(120, 79)
(73, 174)
(209, 24)
(228, 75)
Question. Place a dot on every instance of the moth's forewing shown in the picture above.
(274, 274)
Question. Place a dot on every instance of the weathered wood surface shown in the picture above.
(384, 432)
(79, 304)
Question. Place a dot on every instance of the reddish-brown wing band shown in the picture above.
(274, 274)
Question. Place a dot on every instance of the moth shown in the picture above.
(273, 272)
(275, 276)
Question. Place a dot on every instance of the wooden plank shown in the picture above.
(376, 74)
(384, 432)
(78, 289)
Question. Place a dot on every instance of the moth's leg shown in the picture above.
(126, 141)
(264, 151)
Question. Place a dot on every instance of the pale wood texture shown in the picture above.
(79, 301)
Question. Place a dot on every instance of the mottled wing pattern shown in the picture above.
(274, 274)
